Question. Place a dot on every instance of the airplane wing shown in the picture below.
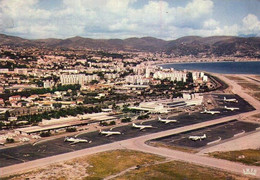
(75, 142)
(108, 135)
(141, 128)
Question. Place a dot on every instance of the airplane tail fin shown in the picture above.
(224, 98)
(159, 118)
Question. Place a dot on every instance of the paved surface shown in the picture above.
(250, 141)
(216, 133)
(138, 143)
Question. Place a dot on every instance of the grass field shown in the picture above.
(250, 86)
(125, 164)
(183, 149)
(235, 78)
(108, 163)
(257, 116)
(97, 166)
(257, 95)
(249, 156)
(178, 171)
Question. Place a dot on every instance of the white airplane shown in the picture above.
(231, 108)
(230, 100)
(141, 127)
(109, 133)
(210, 112)
(195, 138)
(2, 144)
(166, 121)
(75, 140)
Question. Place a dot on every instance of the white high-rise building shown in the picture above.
(72, 79)
(175, 75)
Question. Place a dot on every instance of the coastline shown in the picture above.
(224, 67)
(201, 62)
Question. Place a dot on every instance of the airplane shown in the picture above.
(166, 121)
(109, 133)
(231, 108)
(2, 144)
(195, 138)
(210, 112)
(141, 127)
(230, 100)
(74, 140)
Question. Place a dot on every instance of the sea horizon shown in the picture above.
(231, 67)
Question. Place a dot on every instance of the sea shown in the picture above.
(252, 67)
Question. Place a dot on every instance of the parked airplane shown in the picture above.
(210, 112)
(109, 133)
(75, 140)
(141, 127)
(231, 108)
(2, 144)
(230, 100)
(195, 138)
(166, 121)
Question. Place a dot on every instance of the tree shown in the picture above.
(9, 140)
(7, 115)
(112, 123)
(45, 134)
(57, 105)
(125, 120)
(71, 129)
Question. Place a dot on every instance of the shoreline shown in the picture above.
(201, 62)
(207, 71)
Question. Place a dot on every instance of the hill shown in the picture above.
(188, 45)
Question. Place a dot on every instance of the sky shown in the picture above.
(112, 19)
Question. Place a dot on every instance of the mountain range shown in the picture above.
(188, 45)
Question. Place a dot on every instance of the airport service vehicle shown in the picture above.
(166, 121)
(230, 100)
(195, 138)
(109, 133)
(141, 127)
(210, 112)
(231, 108)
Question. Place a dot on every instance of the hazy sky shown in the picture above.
(168, 19)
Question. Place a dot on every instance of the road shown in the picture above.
(138, 143)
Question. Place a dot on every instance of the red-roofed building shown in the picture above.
(2, 102)
(15, 98)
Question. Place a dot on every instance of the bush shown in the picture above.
(146, 116)
(9, 140)
(103, 123)
(125, 120)
(112, 123)
(45, 134)
(71, 129)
